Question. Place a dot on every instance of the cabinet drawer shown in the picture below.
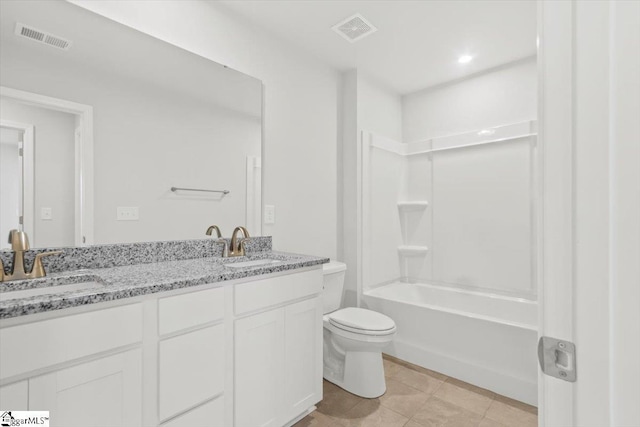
(210, 414)
(37, 345)
(187, 310)
(253, 296)
(192, 369)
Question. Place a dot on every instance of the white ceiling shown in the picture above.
(417, 43)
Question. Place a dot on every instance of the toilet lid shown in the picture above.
(361, 320)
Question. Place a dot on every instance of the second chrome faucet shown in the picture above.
(237, 245)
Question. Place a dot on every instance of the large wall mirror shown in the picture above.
(109, 135)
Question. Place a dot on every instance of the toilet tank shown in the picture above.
(333, 285)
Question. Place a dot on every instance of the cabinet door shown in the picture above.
(259, 369)
(303, 356)
(14, 397)
(101, 393)
(191, 369)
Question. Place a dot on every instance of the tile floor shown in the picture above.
(418, 397)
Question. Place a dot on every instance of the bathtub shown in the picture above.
(483, 339)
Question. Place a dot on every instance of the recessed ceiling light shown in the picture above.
(485, 132)
(465, 59)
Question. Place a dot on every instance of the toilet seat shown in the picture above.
(362, 322)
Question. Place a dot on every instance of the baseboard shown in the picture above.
(498, 382)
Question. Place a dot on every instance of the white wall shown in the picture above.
(371, 108)
(300, 120)
(54, 145)
(348, 245)
(379, 109)
(499, 97)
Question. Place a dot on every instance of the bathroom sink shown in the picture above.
(256, 263)
(48, 290)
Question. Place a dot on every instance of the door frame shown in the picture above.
(555, 209)
(84, 234)
(587, 75)
(253, 202)
(27, 165)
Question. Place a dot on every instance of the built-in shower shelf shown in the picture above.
(411, 250)
(418, 205)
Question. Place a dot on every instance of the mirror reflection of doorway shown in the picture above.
(38, 173)
(16, 178)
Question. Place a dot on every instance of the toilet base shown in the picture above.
(355, 366)
(363, 375)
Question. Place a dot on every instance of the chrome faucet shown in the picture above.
(19, 244)
(225, 249)
(236, 248)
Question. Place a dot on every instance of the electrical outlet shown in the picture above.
(46, 214)
(127, 213)
(269, 214)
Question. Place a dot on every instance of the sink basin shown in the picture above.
(256, 263)
(48, 290)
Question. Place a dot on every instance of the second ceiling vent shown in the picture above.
(42, 37)
(354, 28)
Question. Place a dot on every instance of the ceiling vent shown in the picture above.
(354, 28)
(42, 37)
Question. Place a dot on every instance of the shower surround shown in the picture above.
(448, 251)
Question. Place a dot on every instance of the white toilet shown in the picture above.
(353, 339)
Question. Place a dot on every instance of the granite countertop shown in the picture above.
(128, 281)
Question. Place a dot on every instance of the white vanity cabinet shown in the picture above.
(84, 368)
(278, 351)
(245, 353)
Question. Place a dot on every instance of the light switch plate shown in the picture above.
(269, 214)
(46, 214)
(127, 213)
